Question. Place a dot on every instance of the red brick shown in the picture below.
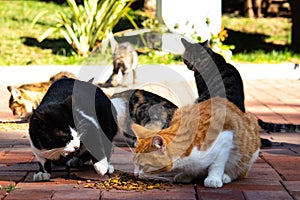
(150, 194)
(258, 185)
(12, 176)
(77, 194)
(292, 186)
(267, 195)
(20, 167)
(13, 157)
(4, 184)
(264, 174)
(55, 184)
(223, 194)
(20, 194)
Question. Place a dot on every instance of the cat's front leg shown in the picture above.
(216, 176)
(44, 172)
(103, 166)
(183, 178)
(123, 83)
(134, 76)
(74, 162)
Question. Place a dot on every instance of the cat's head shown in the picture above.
(18, 103)
(151, 155)
(50, 128)
(195, 54)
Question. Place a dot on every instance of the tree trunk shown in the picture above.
(295, 6)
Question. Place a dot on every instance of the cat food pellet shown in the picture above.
(6, 126)
(127, 182)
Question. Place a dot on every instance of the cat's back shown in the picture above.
(227, 116)
(207, 119)
(58, 91)
(35, 87)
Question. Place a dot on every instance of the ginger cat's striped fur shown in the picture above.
(213, 139)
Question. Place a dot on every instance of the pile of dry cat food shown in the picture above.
(6, 126)
(126, 182)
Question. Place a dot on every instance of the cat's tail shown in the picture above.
(275, 127)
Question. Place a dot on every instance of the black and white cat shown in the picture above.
(74, 123)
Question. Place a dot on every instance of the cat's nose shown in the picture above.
(76, 147)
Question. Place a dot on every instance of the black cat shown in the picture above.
(215, 77)
(207, 66)
(74, 123)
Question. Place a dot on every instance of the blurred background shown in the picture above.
(66, 32)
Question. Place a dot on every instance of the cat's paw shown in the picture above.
(183, 178)
(226, 178)
(101, 166)
(213, 182)
(74, 162)
(41, 176)
(111, 169)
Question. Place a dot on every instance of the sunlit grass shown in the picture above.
(19, 47)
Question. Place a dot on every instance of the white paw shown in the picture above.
(226, 178)
(41, 176)
(111, 169)
(213, 182)
(101, 166)
(74, 162)
(183, 178)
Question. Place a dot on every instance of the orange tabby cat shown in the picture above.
(213, 139)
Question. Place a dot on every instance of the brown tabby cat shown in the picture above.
(28, 96)
(214, 139)
(125, 59)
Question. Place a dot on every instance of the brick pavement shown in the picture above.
(275, 175)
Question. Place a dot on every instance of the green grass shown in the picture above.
(260, 40)
(263, 40)
(12, 186)
(18, 43)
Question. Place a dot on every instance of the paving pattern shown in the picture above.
(275, 174)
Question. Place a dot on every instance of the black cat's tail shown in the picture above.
(274, 127)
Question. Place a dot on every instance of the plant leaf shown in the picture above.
(47, 33)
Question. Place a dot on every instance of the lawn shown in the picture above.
(261, 40)
(18, 44)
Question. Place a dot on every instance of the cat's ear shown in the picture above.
(91, 80)
(205, 44)
(159, 142)
(15, 92)
(185, 43)
(9, 88)
(140, 131)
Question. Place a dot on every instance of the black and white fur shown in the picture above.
(141, 107)
(74, 123)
